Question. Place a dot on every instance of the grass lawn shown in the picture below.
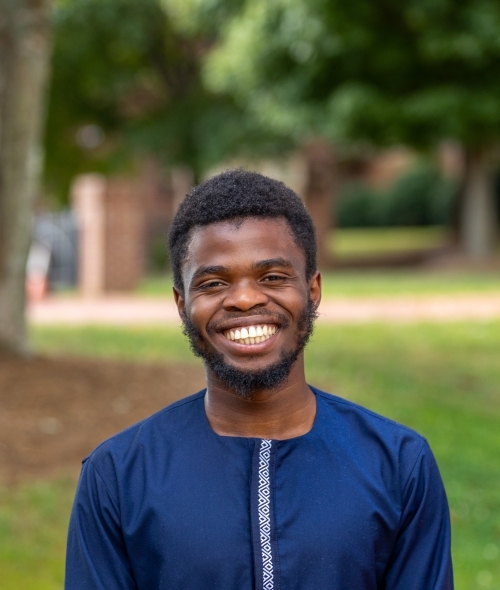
(442, 380)
(381, 240)
(33, 522)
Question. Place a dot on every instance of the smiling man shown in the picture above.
(260, 481)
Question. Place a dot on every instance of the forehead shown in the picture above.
(241, 242)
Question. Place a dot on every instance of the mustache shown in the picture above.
(278, 318)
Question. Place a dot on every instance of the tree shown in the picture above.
(24, 57)
(127, 83)
(378, 71)
(221, 19)
(137, 89)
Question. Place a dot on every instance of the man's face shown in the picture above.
(247, 307)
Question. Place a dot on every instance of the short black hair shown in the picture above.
(237, 194)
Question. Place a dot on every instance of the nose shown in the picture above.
(244, 295)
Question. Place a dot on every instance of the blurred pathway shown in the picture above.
(133, 310)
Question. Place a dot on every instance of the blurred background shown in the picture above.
(383, 115)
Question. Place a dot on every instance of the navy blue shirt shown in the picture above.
(357, 503)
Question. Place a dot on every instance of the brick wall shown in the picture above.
(111, 224)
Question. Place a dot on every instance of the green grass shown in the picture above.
(382, 240)
(142, 343)
(372, 283)
(33, 523)
(442, 380)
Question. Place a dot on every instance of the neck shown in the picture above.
(285, 412)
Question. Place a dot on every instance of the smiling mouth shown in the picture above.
(251, 334)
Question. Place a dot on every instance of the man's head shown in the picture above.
(238, 194)
(244, 257)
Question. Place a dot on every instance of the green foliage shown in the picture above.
(388, 71)
(126, 84)
(157, 256)
(101, 72)
(419, 197)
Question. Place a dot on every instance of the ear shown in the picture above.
(179, 301)
(315, 288)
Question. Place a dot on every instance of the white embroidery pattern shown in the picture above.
(264, 499)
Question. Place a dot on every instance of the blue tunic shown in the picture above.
(357, 503)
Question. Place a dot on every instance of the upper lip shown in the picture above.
(244, 322)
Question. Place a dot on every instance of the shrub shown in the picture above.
(419, 197)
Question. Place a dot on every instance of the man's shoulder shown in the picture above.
(364, 422)
(373, 441)
(163, 424)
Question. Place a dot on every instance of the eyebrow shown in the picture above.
(271, 262)
(208, 270)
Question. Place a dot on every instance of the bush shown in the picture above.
(420, 197)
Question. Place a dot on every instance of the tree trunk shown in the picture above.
(24, 57)
(478, 215)
(319, 193)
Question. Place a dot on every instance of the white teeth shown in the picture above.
(251, 335)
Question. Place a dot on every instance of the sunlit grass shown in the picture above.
(33, 522)
(381, 240)
(442, 380)
(142, 343)
(403, 282)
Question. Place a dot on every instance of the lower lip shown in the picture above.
(250, 348)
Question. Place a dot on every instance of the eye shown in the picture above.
(273, 278)
(213, 284)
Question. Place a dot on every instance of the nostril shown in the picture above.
(244, 298)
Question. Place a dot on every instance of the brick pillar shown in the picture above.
(124, 230)
(111, 221)
(88, 196)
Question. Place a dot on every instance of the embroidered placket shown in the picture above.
(262, 517)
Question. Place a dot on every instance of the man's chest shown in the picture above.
(263, 519)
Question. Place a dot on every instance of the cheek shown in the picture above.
(292, 302)
(200, 313)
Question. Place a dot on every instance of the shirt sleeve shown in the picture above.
(421, 559)
(96, 556)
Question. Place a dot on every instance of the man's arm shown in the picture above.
(96, 555)
(421, 559)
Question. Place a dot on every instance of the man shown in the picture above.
(260, 481)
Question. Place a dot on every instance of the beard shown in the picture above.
(245, 383)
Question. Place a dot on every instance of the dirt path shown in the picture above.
(131, 310)
(54, 411)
